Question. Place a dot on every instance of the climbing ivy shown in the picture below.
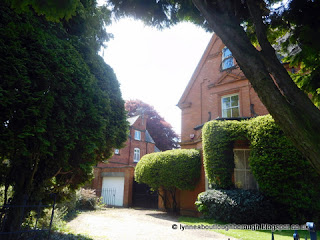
(281, 171)
(218, 138)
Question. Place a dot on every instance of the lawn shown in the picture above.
(245, 234)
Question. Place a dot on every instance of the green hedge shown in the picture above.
(280, 170)
(170, 169)
(236, 206)
(217, 139)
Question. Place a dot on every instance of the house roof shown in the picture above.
(132, 120)
(156, 149)
(197, 70)
(148, 137)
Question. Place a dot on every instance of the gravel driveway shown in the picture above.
(136, 224)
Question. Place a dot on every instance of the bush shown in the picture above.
(82, 199)
(236, 206)
(86, 199)
(170, 169)
(218, 161)
(282, 173)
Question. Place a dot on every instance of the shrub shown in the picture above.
(86, 199)
(170, 170)
(218, 138)
(282, 173)
(236, 206)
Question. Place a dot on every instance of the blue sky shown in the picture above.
(155, 66)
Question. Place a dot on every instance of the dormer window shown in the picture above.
(137, 135)
(227, 59)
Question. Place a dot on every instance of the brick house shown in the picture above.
(217, 90)
(114, 180)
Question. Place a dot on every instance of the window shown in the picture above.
(117, 151)
(230, 106)
(136, 156)
(243, 177)
(137, 135)
(227, 59)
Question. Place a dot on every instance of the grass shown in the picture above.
(245, 234)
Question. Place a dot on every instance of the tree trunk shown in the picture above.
(289, 106)
(15, 216)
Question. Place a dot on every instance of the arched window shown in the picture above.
(136, 156)
(227, 59)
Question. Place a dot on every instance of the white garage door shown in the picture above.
(112, 191)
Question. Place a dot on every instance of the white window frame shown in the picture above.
(136, 155)
(226, 59)
(231, 107)
(117, 151)
(137, 135)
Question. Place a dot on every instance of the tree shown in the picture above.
(160, 130)
(169, 171)
(242, 25)
(61, 106)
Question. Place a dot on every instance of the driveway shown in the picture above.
(136, 224)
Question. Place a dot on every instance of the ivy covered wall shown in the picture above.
(281, 171)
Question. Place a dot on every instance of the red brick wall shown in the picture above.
(207, 86)
(123, 162)
(202, 95)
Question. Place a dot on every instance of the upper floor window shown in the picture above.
(137, 135)
(227, 59)
(117, 151)
(230, 106)
(136, 156)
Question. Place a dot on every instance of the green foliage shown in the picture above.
(52, 9)
(2, 194)
(218, 138)
(61, 106)
(302, 17)
(282, 173)
(86, 199)
(236, 206)
(170, 169)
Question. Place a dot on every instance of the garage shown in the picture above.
(113, 189)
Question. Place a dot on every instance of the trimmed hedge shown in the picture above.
(171, 169)
(236, 206)
(217, 139)
(281, 171)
